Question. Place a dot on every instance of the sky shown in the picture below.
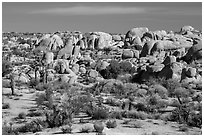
(115, 17)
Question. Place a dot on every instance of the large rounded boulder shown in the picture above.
(147, 48)
(104, 40)
(195, 52)
(127, 53)
(186, 28)
(136, 32)
(66, 52)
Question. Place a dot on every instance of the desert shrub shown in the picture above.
(33, 83)
(155, 102)
(181, 93)
(183, 128)
(137, 115)
(155, 133)
(6, 106)
(6, 67)
(130, 87)
(109, 86)
(40, 99)
(180, 114)
(174, 103)
(112, 102)
(57, 117)
(195, 120)
(116, 115)
(126, 121)
(86, 129)
(197, 97)
(140, 107)
(137, 125)
(126, 66)
(34, 114)
(16, 99)
(162, 103)
(112, 70)
(98, 126)
(81, 120)
(111, 124)
(115, 68)
(162, 91)
(62, 112)
(165, 116)
(6, 83)
(40, 86)
(99, 113)
(171, 85)
(22, 115)
(154, 80)
(8, 130)
(199, 86)
(33, 126)
(155, 116)
(125, 78)
(141, 92)
(67, 128)
(153, 99)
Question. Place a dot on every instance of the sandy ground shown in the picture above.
(25, 102)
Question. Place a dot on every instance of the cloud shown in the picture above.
(106, 10)
(92, 10)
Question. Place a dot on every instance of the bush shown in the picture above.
(130, 87)
(111, 124)
(162, 103)
(6, 106)
(6, 83)
(140, 107)
(125, 78)
(155, 116)
(67, 128)
(183, 128)
(137, 125)
(160, 90)
(155, 133)
(154, 80)
(174, 103)
(137, 115)
(171, 85)
(141, 93)
(195, 120)
(41, 86)
(22, 115)
(112, 102)
(85, 129)
(153, 99)
(6, 67)
(40, 99)
(33, 83)
(34, 114)
(99, 113)
(126, 122)
(33, 126)
(98, 126)
(180, 114)
(57, 117)
(115, 68)
(116, 115)
(8, 130)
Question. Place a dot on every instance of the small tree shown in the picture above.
(171, 85)
(61, 111)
